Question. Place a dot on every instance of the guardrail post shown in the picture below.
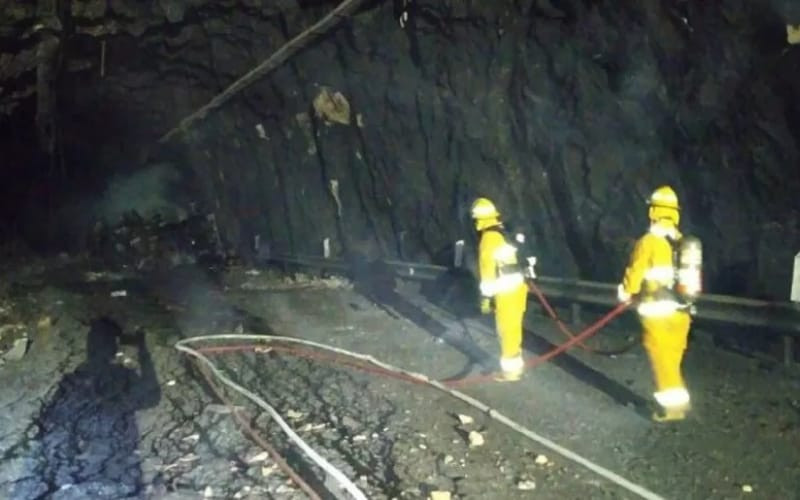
(326, 248)
(401, 244)
(575, 316)
(795, 297)
(458, 254)
(788, 342)
(788, 350)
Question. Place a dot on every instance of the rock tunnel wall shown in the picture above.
(379, 136)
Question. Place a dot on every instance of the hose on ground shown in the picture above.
(341, 479)
(389, 370)
(533, 361)
(273, 453)
(563, 328)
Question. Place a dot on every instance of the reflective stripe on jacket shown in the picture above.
(651, 272)
(494, 258)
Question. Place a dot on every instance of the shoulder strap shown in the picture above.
(499, 228)
(675, 245)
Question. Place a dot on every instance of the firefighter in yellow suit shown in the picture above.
(650, 276)
(501, 282)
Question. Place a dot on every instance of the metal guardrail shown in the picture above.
(777, 316)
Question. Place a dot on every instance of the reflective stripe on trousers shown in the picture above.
(672, 398)
(508, 315)
(664, 339)
(514, 364)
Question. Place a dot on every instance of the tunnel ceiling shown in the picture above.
(378, 134)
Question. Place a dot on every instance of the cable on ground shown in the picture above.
(341, 479)
(389, 370)
(273, 453)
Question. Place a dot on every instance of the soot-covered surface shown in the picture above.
(80, 420)
(379, 134)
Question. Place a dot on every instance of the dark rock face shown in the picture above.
(378, 136)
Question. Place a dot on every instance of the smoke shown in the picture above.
(151, 191)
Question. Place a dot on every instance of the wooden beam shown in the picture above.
(46, 51)
(346, 8)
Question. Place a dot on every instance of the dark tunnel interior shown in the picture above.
(165, 142)
(567, 113)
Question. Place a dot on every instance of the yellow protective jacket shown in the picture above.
(497, 264)
(651, 272)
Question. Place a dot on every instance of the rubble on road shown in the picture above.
(13, 333)
(18, 350)
(394, 439)
(273, 280)
(155, 243)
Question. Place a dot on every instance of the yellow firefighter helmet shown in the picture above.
(664, 205)
(483, 208)
(664, 197)
(485, 213)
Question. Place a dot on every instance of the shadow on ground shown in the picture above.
(87, 440)
(375, 281)
(457, 292)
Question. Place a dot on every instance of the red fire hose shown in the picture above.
(563, 328)
(531, 362)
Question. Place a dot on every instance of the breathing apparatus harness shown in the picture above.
(687, 257)
(527, 269)
(529, 274)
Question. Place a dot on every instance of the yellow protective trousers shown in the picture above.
(665, 339)
(509, 311)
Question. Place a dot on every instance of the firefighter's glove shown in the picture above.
(486, 305)
(623, 296)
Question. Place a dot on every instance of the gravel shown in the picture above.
(80, 421)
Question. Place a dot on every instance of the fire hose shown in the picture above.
(531, 362)
(372, 365)
(248, 429)
(377, 367)
(563, 328)
(338, 476)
